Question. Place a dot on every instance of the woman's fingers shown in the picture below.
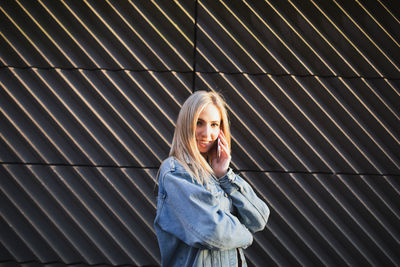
(224, 143)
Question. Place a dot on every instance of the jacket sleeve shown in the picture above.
(193, 214)
(252, 211)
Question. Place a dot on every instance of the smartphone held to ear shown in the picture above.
(218, 148)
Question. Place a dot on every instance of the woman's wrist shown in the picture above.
(221, 174)
(228, 177)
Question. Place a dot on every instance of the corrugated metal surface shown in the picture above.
(90, 91)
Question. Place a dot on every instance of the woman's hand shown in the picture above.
(221, 165)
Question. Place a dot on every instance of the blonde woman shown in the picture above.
(206, 214)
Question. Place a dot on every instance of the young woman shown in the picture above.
(206, 214)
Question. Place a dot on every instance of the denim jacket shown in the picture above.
(209, 225)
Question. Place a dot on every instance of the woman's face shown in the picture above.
(208, 127)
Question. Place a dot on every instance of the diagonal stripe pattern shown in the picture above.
(89, 94)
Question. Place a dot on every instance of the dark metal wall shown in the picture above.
(90, 90)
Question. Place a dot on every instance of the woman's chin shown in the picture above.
(203, 150)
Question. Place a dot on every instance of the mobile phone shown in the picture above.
(218, 148)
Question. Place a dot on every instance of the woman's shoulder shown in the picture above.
(171, 164)
(174, 167)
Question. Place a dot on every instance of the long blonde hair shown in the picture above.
(184, 147)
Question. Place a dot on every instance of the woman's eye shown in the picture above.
(215, 125)
(198, 123)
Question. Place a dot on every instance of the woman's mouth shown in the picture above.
(203, 143)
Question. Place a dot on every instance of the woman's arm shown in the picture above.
(252, 211)
(193, 214)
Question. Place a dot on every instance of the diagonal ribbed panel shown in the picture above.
(112, 129)
(90, 91)
(91, 34)
(100, 214)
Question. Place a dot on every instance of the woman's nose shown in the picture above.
(206, 131)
